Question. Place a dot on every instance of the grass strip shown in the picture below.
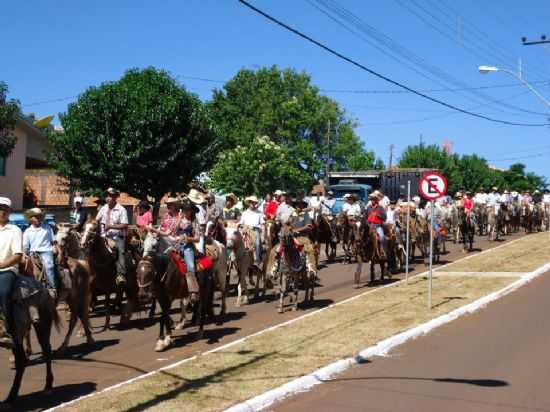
(524, 255)
(215, 381)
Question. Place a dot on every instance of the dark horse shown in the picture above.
(159, 276)
(366, 247)
(40, 300)
(325, 234)
(292, 270)
(467, 229)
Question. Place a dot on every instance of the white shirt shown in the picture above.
(385, 202)
(327, 205)
(11, 243)
(352, 209)
(315, 205)
(119, 216)
(493, 199)
(252, 218)
(505, 198)
(480, 199)
(546, 198)
(201, 214)
(390, 216)
(284, 211)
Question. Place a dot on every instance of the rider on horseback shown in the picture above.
(376, 216)
(113, 220)
(302, 225)
(11, 252)
(39, 238)
(253, 220)
(78, 214)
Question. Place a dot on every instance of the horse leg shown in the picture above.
(152, 309)
(282, 290)
(28, 347)
(357, 274)
(372, 274)
(20, 364)
(43, 330)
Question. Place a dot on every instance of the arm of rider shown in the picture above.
(11, 261)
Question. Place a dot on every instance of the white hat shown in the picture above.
(347, 195)
(4, 201)
(278, 192)
(252, 199)
(78, 199)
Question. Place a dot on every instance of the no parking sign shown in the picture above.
(432, 186)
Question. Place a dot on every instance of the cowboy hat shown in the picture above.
(78, 199)
(196, 197)
(252, 199)
(506, 192)
(494, 188)
(113, 192)
(347, 196)
(171, 200)
(278, 192)
(35, 211)
(5, 202)
(374, 195)
(232, 196)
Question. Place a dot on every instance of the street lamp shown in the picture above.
(491, 69)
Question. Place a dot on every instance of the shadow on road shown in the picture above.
(488, 383)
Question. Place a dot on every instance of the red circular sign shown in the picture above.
(432, 186)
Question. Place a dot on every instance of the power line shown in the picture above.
(520, 157)
(381, 76)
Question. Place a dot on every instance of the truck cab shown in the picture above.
(18, 219)
(360, 191)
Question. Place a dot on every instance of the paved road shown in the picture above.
(119, 355)
(493, 360)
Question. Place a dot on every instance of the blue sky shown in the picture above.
(56, 49)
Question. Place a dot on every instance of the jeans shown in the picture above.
(49, 266)
(7, 283)
(258, 245)
(189, 257)
(120, 244)
(380, 231)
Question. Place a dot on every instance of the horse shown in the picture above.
(343, 231)
(78, 297)
(515, 218)
(506, 211)
(325, 234)
(243, 258)
(412, 232)
(480, 211)
(526, 218)
(367, 248)
(102, 262)
(397, 254)
(161, 274)
(423, 240)
(31, 293)
(292, 270)
(494, 222)
(467, 228)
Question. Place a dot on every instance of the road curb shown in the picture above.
(382, 348)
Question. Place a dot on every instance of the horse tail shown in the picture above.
(56, 319)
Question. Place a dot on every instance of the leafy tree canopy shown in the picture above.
(260, 167)
(144, 134)
(9, 110)
(287, 107)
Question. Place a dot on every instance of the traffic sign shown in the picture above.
(432, 186)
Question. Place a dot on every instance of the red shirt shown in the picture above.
(271, 209)
(468, 204)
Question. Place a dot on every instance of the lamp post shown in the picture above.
(492, 69)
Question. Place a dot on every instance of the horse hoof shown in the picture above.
(90, 341)
(159, 346)
(80, 333)
(167, 341)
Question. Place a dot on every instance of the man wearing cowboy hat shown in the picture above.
(11, 252)
(351, 208)
(39, 238)
(494, 197)
(480, 197)
(253, 220)
(302, 225)
(230, 211)
(77, 217)
(113, 220)
(314, 203)
(376, 216)
(201, 202)
(285, 210)
(327, 204)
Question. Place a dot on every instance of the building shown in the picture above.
(30, 152)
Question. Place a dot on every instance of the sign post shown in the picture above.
(432, 186)
(408, 234)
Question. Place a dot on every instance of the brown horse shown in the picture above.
(344, 231)
(102, 262)
(366, 247)
(325, 229)
(78, 296)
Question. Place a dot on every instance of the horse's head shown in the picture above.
(150, 245)
(145, 274)
(234, 237)
(91, 232)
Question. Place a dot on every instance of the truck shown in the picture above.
(359, 190)
(18, 219)
(392, 182)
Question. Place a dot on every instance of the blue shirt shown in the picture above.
(38, 239)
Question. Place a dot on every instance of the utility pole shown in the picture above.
(392, 146)
(327, 166)
(421, 140)
(543, 40)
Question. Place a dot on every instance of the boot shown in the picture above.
(192, 286)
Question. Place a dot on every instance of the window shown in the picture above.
(2, 166)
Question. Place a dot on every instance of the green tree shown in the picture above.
(9, 111)
(475, 172)
(516, 178)
(259, 168)
(144, 134)
(287, 107)
(433, 157)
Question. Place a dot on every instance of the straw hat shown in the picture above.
(196, 197)
(278, 192)
(374, 195)
(35, 211)
(232, 196)
(172, 200)
(251, 199)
